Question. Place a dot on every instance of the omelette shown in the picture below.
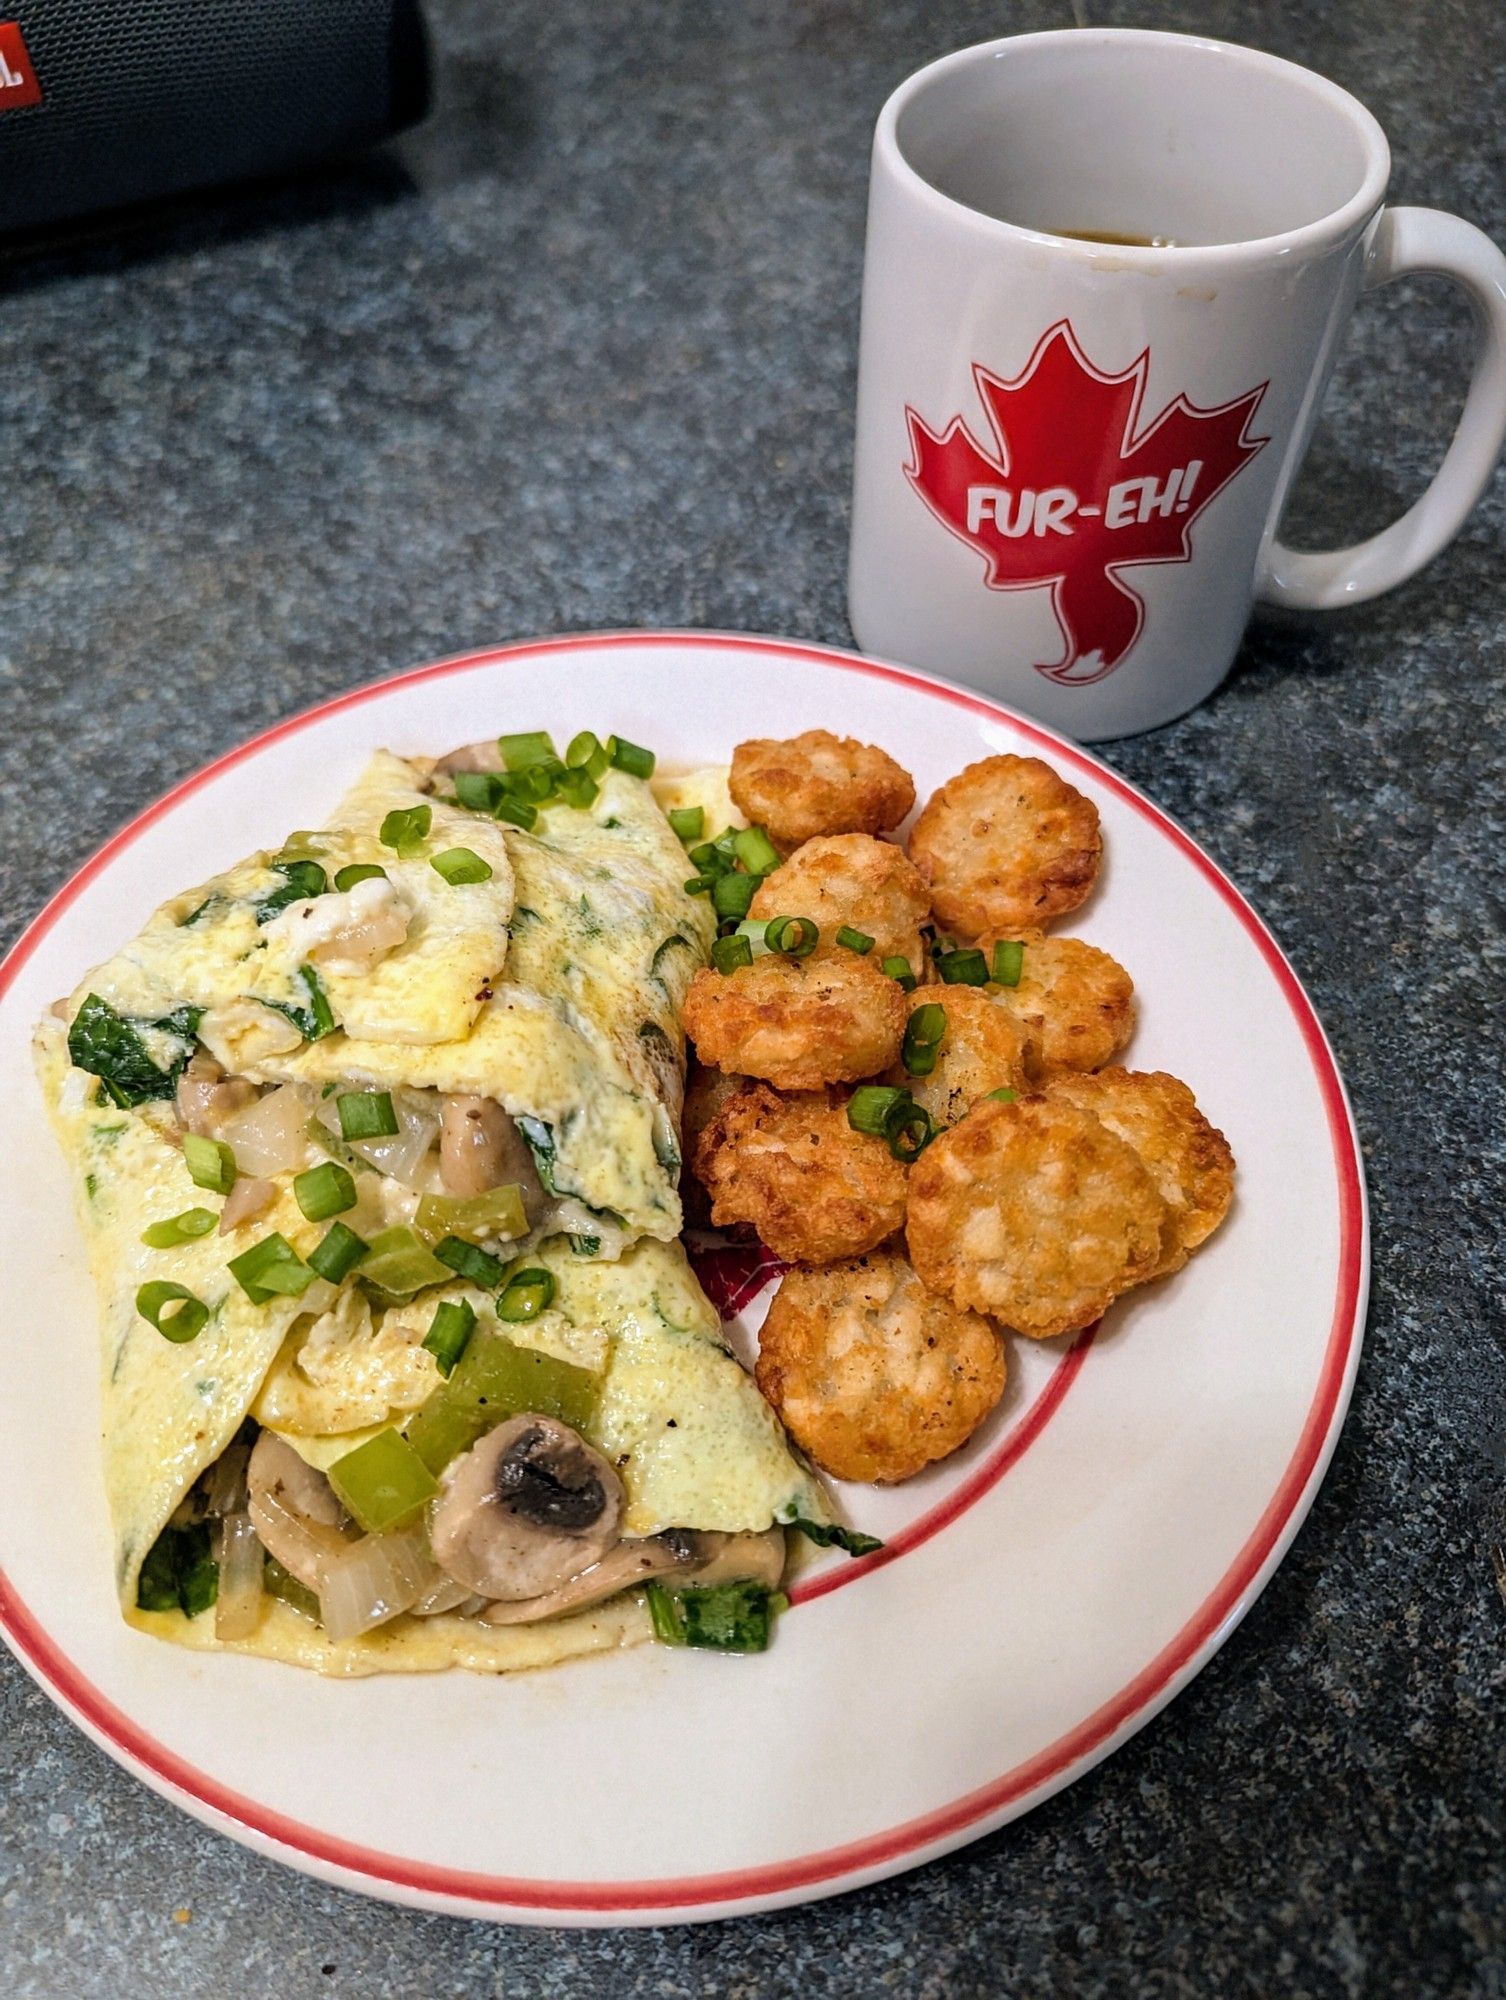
(375, 1142)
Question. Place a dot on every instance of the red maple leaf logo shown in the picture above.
(1076, 493)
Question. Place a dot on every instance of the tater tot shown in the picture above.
(706, 1091)
(793, 1169)
(797, 1023)
(1035, 1213)
(982, 1048)
(874, 1376)
(818, 783)
(850, 878)
(1188, 1158)
(1075, 1003)
(1006, 844)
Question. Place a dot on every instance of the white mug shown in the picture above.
(1071, 455)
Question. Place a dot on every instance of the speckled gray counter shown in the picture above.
(581, 354)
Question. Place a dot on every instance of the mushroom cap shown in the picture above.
(526, 1509)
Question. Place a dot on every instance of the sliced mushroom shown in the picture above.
(471, 757)
(294, 1510)
(702, 1558)
(526, 1509)
(480, 1148)
(207, 1098)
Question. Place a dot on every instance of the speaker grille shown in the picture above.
(142, 98)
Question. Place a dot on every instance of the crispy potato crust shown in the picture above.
(1188, 1158)
(1005, 844)
(1036, 1213)
(818, 783)
(1075, 1003)
(797, 1023)
(982, 1049)
(793, 1168)
(706, 1091)
(874, 1376)
(851, 878)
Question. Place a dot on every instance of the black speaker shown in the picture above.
(105, 103)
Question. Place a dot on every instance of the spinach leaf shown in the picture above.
(726, 1618)
(584, 1246)
(540, 1139)
(180, 1572)
(110, 1047)
(301, 879)
(316, 1020)
(209, 903)
(834, 1537)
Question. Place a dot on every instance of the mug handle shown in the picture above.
(1417, 240)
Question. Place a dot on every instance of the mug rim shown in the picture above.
(1322, 233)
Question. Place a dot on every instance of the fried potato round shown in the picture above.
(793, 1168)
(706, 1091)
(1036, 1213)
(797, 1023)
(1189, 1159)
(851, 878)
(982, 1049)
(1006, 843)
(818, 783)
(874, 1376)
(1075, 1003)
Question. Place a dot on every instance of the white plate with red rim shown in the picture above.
(1040, 1596)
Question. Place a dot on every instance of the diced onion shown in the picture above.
(270, 1138)
(447, 1595)
(375, 1579)
(245, 1201)
(225, 1489)
(237, 1608)
(401, 1156)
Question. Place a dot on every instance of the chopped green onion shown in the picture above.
(461, 865)
(337, 1253)
(899, 968)
(405, 829)
(210, 1163)
(359, 871)
(383, 1482)
(711, 858)
(793, 937)
(578, 788)
(536, 785)
(699, 885)
(471, 1262)
(732, 895)
(528, 747)
(479, 791)
(584, 1246)
(726, 1617)
(586, 753)
(271, 1268)
(689, 822)
(963, 968)
(1009, 962)
(525, 1295)
(909, 1131)
(756, 851)
(517, 812)
(498, 1212)
(858, 941)
(399, 1264)
(870, 1106)
(495, 1379)
(1005, 1096)
(730, 954)
(755, 930)
(923, 1033)
(449, 1333)
(324, 1191)
(630, 757)
(178, 1229)
(188, 1318)
(366, 1114)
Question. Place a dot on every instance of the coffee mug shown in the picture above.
(1107, 275)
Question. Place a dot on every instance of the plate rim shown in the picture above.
(926, 1837)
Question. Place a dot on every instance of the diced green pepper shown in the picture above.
(383, 1482)
(399, 1264)
(497, 1213)
(495, 1379)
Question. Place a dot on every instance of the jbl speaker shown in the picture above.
(104, 103)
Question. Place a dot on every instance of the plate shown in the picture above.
(1039, 1597)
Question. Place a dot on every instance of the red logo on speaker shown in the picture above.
(18, 80)
(1078, 488)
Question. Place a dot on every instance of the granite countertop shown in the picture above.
(579, 355)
